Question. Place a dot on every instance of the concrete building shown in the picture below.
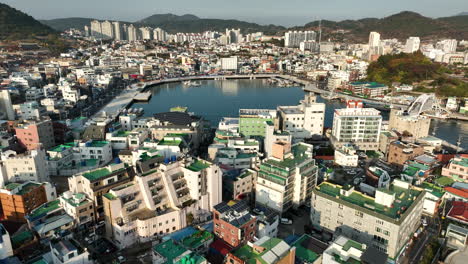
(29, 166)
(374, 39)
(357, 125)
(416, 125)
(345, 250)
(160, 35)
(233, 36)
(412, 44)
(171, 252)
(6, 107)
(107, 30)
(146, 33)
(293, 39)
(346, 156)
(447, 45)
(233, 223)
(161, 200)
(133, 34)
(386, 222)
(96, 30)
(6, 249)
(68, 251)
(457, 168)
(272, 136)
(94, 184)
(35, 134)
(253, 122)
(230, 64)
(287, 177)
(265, 250)
(118, 31)
(19, 199)
(304, 120)
(78, 206)
(400, 152)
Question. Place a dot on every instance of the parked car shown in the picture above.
(286, 221)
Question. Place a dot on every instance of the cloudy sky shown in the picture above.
(282, 12)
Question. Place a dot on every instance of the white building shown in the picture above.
(6, 107)
(30, 166)
(96, 30)
(304, 120)
(286, 179)
(68, 252)
(146, 33)
(159, 201)
(374, 39)
(447, 45)
(346, 156)
(357, 125)
(118, 31)
(386, 221)
(412, 44)
(229, 64)
(293, 39)
(345, 250)
(6, 249)
(107, 29)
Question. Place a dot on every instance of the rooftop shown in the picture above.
(169, 250)
(100, 173)
(250, 256)
(198, 165)
(20, 238)
(62, 147)
(197, 239)
(304, 251)
(45, 209)
(299, 155)
(404, 199)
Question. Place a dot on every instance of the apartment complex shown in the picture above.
(386, 221)
(233, 223)
(94, 184)
(286, 179)
(159, 201)
(357, 125)
(293, 39)
(19, 199)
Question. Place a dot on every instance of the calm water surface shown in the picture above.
(216, 99)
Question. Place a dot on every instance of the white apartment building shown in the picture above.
(286, 179)
(304, 120)
(96, 30)
(160, 35)
(6, 107)
(272, 136)
(29, 166)
(118, 31)
(346, 156)
(345, 250)
(158, 202)
(412, 44)
(386, 221)
(292, 39)
(229, 64)
(107, 30)
(447, 45)
(357, 125)
(374, 39)
(68, 252)
(146, 33)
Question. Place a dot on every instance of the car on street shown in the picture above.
(286, 221)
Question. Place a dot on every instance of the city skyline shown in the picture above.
(286, 14)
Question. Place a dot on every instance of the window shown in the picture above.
(360, 214)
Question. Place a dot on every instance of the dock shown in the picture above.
(143, 97)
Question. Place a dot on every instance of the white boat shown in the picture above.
(190, 83)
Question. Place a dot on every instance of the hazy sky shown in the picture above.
(283, 12)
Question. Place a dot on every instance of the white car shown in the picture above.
(286, 221)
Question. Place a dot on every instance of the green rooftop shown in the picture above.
(433, 189)
(462, 162)
(110, 196)
(45, 208)
(98, 143)
(250, 256)
(197, 239)
(299, 156)
(20, 238)
(352, 244)
(198, 165)
(404, 198)
(62, 147)
(12, 186)
(305, 254)
(444, 181)
(78, 196)
(168, 142)
(169, 250)
(121, 133)
(99, 173)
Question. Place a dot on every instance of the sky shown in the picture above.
(279, 12)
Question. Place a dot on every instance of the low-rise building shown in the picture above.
(171, 252)
(233, 223)
(400, 152)
(346, 156)
(265, 250)
(457, 168)
(6, 248)
(19, 199)
(345, 250)
(29, 166)
(386, 221)
(78, 206)
(416, 125)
